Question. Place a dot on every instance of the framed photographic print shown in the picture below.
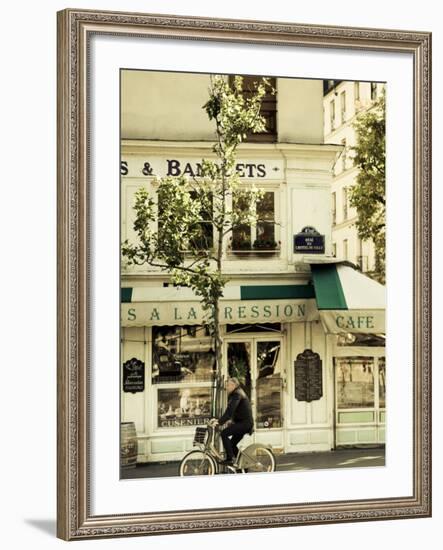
(243, 274)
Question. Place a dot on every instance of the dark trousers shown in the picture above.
(231, 436)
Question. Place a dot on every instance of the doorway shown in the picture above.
(257, 363)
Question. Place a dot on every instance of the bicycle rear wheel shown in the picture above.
(258, 459)
(197, 463)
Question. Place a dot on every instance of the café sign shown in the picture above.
(368, 321)
(144, 167)
(235, 311)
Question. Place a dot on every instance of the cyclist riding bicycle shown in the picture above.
(239, 412)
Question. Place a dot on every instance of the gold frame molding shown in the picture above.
(74, 519)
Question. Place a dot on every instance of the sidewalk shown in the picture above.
(341, 458)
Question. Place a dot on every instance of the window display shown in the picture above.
(182, 354)
(355, 383)
(178, 407)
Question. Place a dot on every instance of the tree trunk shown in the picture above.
(218, 362)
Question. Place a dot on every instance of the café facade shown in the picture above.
(302, 330)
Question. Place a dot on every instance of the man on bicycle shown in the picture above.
(239, 412)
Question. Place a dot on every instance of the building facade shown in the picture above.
(343, 101)
(304, 333)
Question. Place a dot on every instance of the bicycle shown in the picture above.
(257, 457)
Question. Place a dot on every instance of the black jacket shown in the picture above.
(238, 409)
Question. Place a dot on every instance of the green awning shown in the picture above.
(328, 289)
(348, 300)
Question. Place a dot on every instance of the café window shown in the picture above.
(382, 382)
(355, 383)
(360, 387)
(361, 339)
(182, 354)
(268, 109)
(182, 407)
(260, 237)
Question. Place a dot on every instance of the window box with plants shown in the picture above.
(259, 246)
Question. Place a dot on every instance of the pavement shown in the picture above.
(339, 458)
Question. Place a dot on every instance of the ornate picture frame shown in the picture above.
(75, 518)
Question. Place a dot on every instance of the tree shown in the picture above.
(196, 214)
(368, 193)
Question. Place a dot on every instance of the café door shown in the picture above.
(256, 362)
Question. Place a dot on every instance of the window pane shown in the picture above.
(205, 238)
(241, 237)
(265, 327)
(382, 382)
(239, 363)
(265, 220)
(268, 109)
(183, 407)
(355, 383)
(269, 385)
(361, 339)
(241, 234)
(181, 354)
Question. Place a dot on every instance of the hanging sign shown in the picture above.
(133, 376)
(309, 240)
(308, 376)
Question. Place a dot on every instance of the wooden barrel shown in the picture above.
(128, 445)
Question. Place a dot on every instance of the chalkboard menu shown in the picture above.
(309, 240)
(133, 376)
(308, 376)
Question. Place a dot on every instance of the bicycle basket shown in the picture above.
(200, 435)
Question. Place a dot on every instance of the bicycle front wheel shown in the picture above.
(259, 459)
(197, 463)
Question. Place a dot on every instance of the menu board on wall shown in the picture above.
(133, 376)
(308, 376)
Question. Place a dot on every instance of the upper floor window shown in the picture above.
(343, 155)
(334, 208)
(204, 239)
(373, 90)
(357, 91)
(332, 114)
(268, 110)
(261, 236)
(345, 203)
(345, 249)
(343, 107)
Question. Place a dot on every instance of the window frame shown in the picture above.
(266, 187)
(268, 100)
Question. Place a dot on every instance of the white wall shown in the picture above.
(29, 268)
(300, 113)
(161, 105)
